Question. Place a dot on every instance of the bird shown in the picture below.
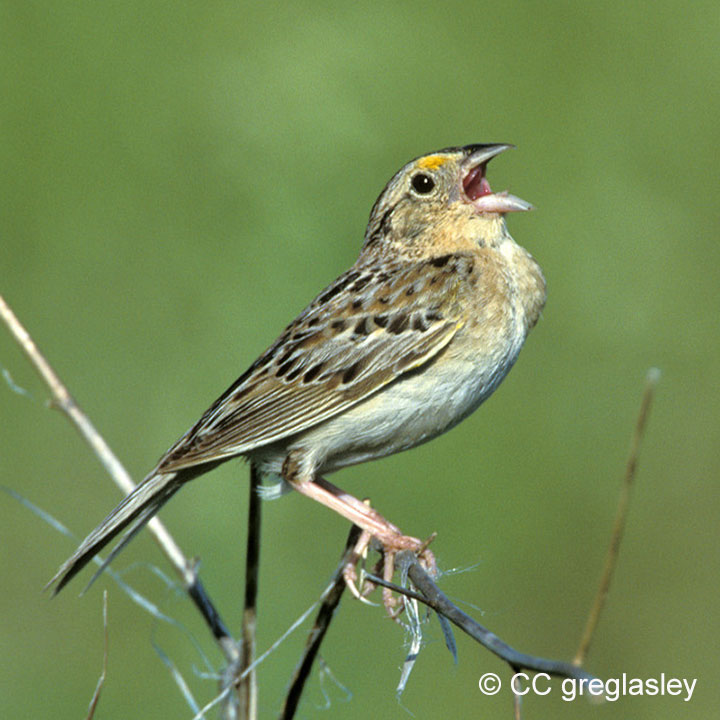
(396, 351)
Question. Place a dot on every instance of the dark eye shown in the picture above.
(422, 184)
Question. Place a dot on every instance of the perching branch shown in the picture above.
(431, 595)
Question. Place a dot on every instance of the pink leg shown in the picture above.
(370, 521)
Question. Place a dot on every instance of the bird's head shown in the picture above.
(440, 202)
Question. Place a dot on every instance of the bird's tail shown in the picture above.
(131, 515)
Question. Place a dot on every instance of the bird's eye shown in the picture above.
(422, 183)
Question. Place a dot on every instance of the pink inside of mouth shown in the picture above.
(475, 183)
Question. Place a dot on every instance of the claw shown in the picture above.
(358, 553)
(352, 587)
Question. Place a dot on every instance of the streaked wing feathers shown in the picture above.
(360, 333)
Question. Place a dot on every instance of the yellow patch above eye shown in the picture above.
(431, 162)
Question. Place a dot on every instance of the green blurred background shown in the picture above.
(178, 179)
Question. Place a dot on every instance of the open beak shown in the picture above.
(477, 188)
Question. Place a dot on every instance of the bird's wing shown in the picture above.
(372, 325)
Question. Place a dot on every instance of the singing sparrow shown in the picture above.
(399, 349)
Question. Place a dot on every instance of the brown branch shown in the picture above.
(651, 380)
(63, 400)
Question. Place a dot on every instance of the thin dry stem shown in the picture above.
(247, 689)
(101, 680)
(618, 530)
(317, 633)
(63, 400)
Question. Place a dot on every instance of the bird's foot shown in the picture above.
(388, 544)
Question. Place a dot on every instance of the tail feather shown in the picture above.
(135, 527)
(133, 512)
